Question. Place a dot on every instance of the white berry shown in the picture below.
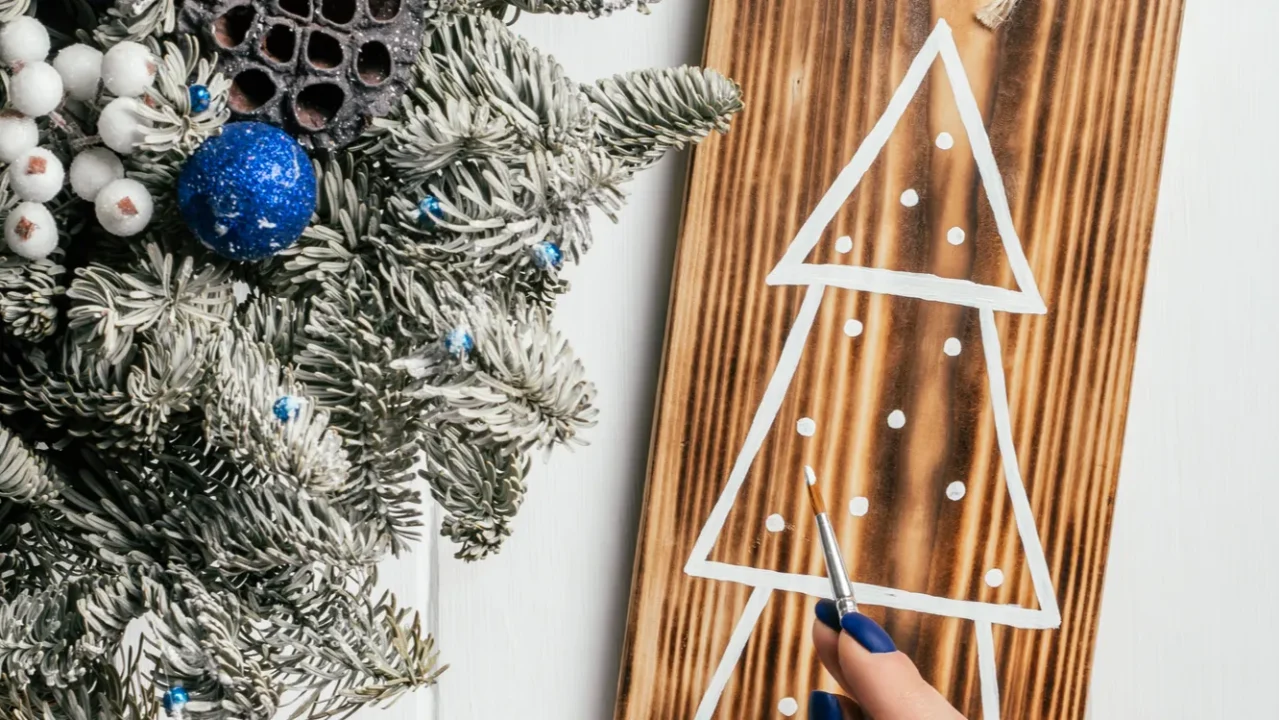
(24, 39)
(36, 175)
(81, 69)
(30, 231)
(123, 207)
(128, 69)
(119, 125)
(18, 134)
(36, 89)
(93, 170)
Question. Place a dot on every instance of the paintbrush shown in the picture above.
(840, 585)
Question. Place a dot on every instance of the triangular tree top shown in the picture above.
(792, 269)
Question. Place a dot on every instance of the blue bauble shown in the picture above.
(175, 699)
(547, 255)
(458, 342)
(249, 192)
(200, 98)
(287, 407)
(429, 210)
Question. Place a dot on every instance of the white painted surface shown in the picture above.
(1189, 623)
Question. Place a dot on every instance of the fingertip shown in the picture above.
(827, 613)
(867, 632)
(824, 706)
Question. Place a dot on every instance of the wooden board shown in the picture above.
(972, 333)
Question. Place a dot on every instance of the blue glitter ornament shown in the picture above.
(175, 701)
(547, 255)
(200, 98)
(459, 342)
(287, 407)
(429, 211)
(249, 192)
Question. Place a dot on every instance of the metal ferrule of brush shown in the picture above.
(840, 584)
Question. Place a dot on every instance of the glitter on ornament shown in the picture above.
(175, 701)
(199, 97)
(547, 255)
(429, 211)
(287, 407)
(248, 193)
(459, 342)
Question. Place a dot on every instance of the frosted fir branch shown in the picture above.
(240, 420)
(480, 486)
(29, 292)
(136, 20)
(173, 126)
(159, 293)
(25, 474)
(647, 113)
(521, 386)
(591, 8)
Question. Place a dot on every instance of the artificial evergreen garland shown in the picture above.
(224, 449)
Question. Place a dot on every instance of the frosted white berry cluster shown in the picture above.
(36, 175)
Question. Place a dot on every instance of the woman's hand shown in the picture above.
(882, 681)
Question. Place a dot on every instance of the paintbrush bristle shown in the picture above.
(815, 500)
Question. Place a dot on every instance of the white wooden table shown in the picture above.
(1189, 615)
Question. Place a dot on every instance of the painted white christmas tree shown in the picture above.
(833, 287)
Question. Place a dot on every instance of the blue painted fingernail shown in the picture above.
(828, 614)
(824, 706)
(868, 634)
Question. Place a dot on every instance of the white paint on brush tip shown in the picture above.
(853, 328)
(910, 198)
(809, 476)
(944, 141)
(859, 506)
(955, 490)
(775, 523)
(951, 347)
(994, 577)
(844, 244)
(897, 419)
(806, 426)
(788, 706)
(955, 235)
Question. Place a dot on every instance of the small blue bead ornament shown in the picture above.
(547, 255)
(429, 211)
(249, 192)
(287, 407)
(458, 342)
(200, 98)
(175, 701)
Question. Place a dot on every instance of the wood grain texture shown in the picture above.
(1074, 97)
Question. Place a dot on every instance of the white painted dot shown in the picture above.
(858, 506)
(897, 419)
(844, 244)
(775, 523)
(994, 577)
(853, 328)
(806, 426)
(944, 141)
(955, 236)
(955, 490)
(951, 347)
(910, 197)
(788, 706)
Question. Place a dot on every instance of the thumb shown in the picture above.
(886, 683)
